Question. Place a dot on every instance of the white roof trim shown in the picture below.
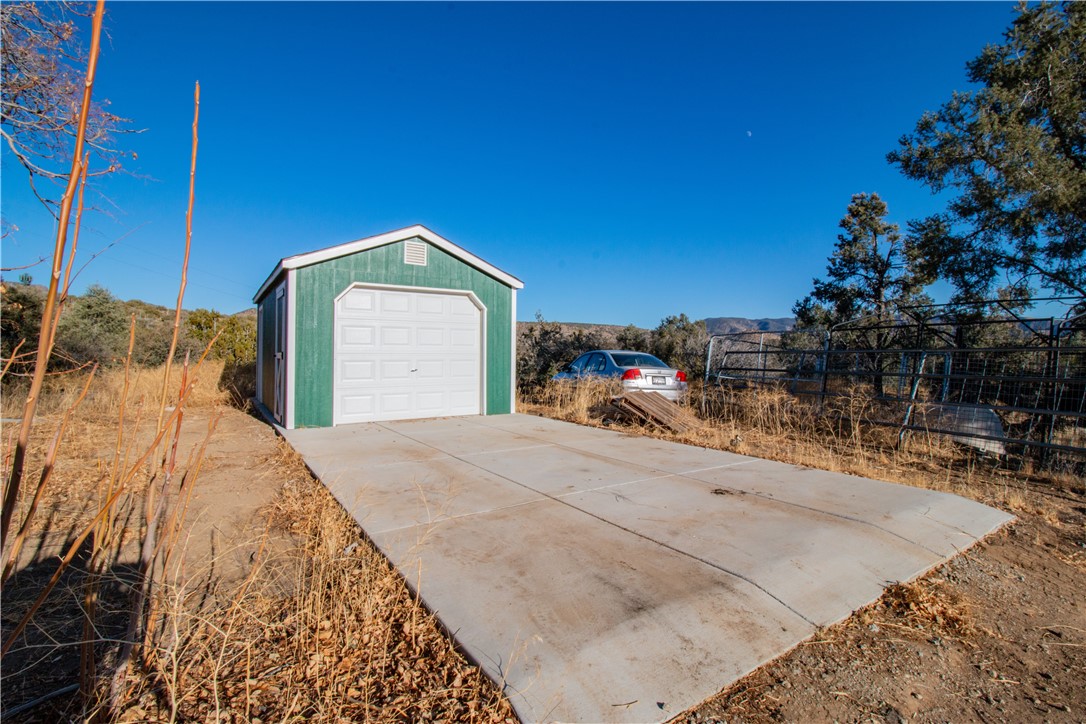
(389, 237)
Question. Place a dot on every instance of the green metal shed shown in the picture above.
(398, 326)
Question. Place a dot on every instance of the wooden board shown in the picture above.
(654, 408)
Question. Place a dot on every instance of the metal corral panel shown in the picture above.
(317, 286)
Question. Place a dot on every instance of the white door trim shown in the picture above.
(478, 303)
(513, 353)
(292, 366)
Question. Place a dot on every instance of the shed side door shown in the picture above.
(280, 406)
(406, 354)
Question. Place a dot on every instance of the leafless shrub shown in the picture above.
(580, 400)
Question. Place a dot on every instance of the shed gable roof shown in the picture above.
(389, 237)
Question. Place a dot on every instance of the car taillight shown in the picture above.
(680, 376)
(634, 374)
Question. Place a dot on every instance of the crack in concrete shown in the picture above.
(635, 533)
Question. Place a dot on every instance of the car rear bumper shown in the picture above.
(675, 392)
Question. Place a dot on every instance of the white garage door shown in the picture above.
(401, 355)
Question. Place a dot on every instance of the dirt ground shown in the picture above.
(237, 479)
(225, 523)
(998, 634)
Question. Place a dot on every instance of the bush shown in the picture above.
(237, 334)
(93, 328)
(544, 347)
(20, 322)
(681, 343)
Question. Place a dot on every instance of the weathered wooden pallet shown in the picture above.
(654, 408)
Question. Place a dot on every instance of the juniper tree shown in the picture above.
(872, 273)
(631, 337)
(681, 342)
(93, 329)
(1015, 153)
(236, 335)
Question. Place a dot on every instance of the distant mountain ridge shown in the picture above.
(714, 325)
(730, 325)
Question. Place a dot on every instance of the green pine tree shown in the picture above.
(1015, 153)
(872, 273)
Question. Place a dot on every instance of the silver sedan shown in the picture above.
(638, 371)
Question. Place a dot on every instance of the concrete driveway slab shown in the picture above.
(582, 625)
(936, 520)
(456, 436)
(390, 497)
(597, 576)
(806, 558)
(659, 454)
(557, 471)
(337, 449)
(954, 521)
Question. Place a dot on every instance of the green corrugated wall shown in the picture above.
(318, 285)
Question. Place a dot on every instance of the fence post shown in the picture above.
(948, 367)
(905, 423)
(705, 382)
(761, 355)
(1053, 372)
(825, 371)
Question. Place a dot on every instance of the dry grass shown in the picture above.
(583, 401)
(773, 424)
(930, 605)
(111, 480)
(60, 390)
(348, 643)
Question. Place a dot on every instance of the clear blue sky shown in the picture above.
(626, 160)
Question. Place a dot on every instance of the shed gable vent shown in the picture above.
(414, 252)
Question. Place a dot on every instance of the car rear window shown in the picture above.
(636, 359)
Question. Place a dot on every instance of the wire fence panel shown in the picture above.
(1009, 386)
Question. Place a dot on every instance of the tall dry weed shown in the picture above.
(95, 545)
(846, 432)
(579, 401)
(323, 630)
(108, 394)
